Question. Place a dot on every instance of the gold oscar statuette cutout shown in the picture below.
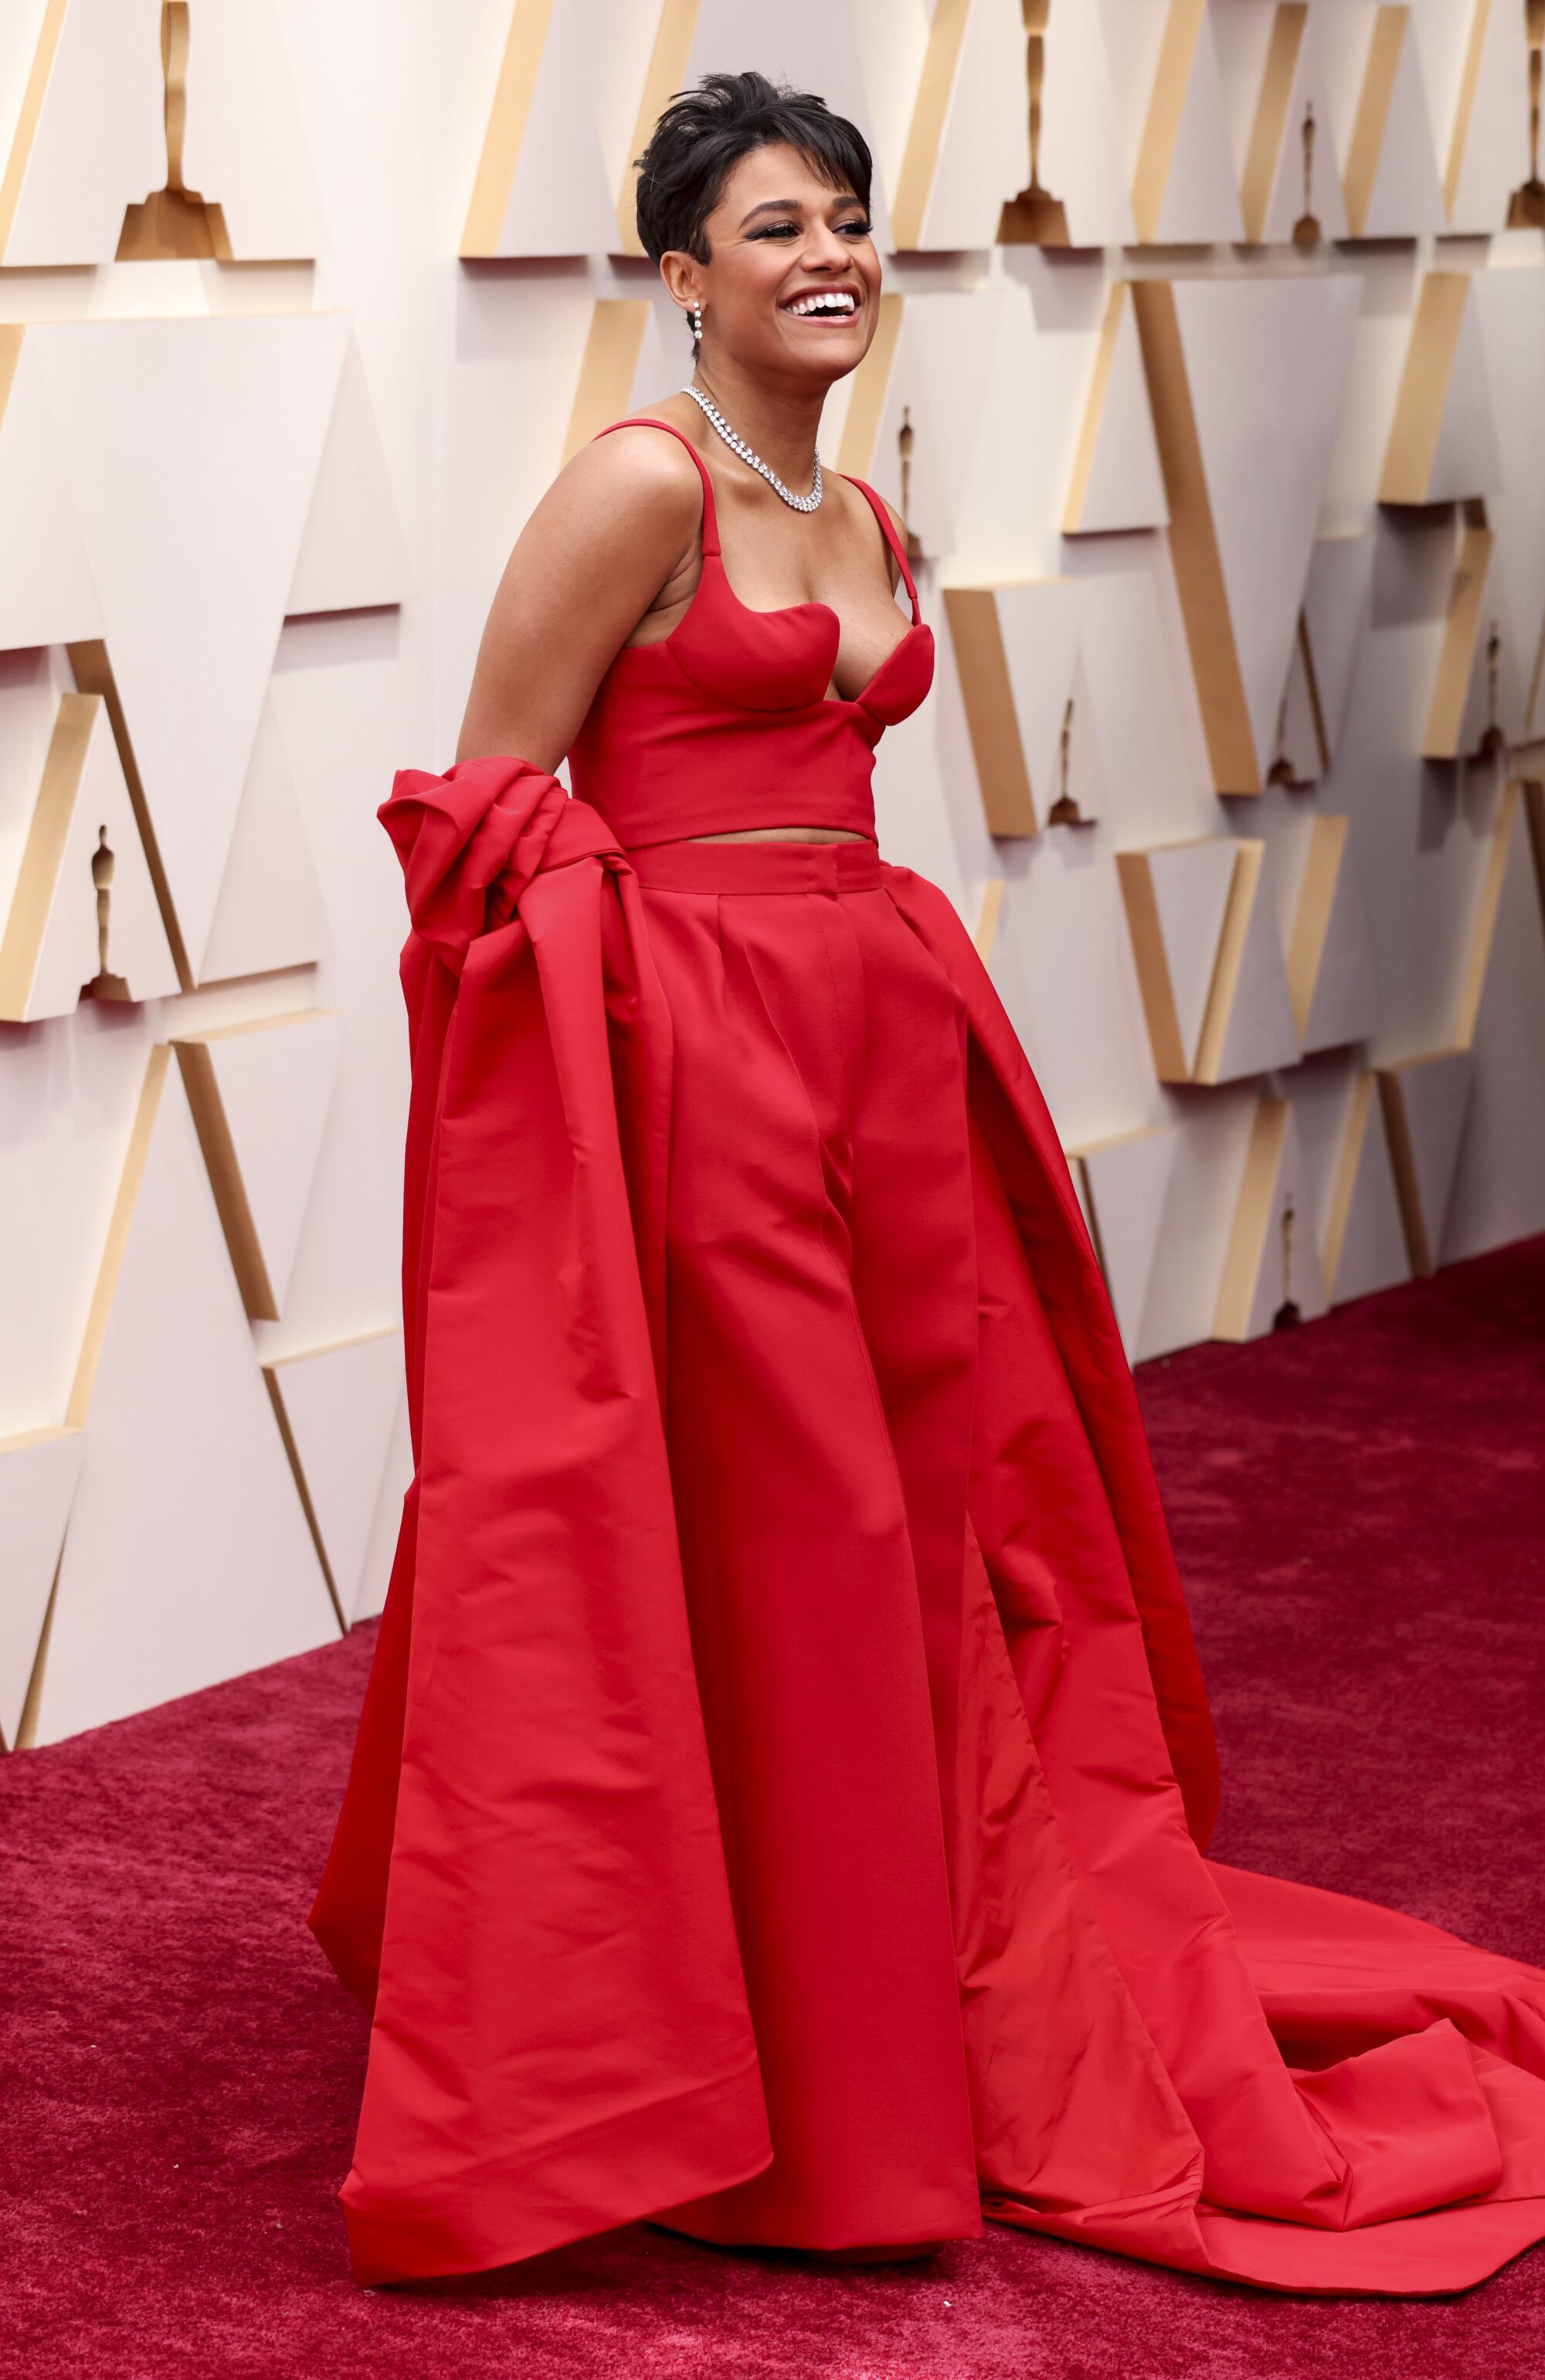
(1065, 811)
(1526, 208)
(175, 221)
(1492, 741)
(1288, 1312)
(1034, 218)
(906, 439)
(1281, 771)
(1306, 230)
(103, 985)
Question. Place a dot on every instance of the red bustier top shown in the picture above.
(726, 722)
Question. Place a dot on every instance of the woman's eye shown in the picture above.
(861, 228)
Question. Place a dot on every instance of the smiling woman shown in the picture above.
(782, 1800)
(755, 204)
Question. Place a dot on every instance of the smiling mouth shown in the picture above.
(822, 306)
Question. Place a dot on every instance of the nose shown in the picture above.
(823, 253)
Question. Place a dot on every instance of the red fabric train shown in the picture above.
(1167, 2056)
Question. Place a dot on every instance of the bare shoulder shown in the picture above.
(633, 478)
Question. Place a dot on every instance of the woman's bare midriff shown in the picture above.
(783, 834)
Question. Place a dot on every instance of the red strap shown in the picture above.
(710, 519)
(882, 514)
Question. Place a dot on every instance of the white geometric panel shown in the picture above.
(1272, 1264)
(1337, 594)
(38, 1473)
(1425, 1101)
(1478, 688)
(1510, 311)
(270, 911)
(639, 60)
(1364, 1244)
(187, 1557)
(928, 365)
(1480, 104)
(542, 187)
(1330, 957)
(621, 39)
(1299, 756)
(1278, 86)
(1383, 128)
(28, 716)
(193, 447)
(1040, 624)
(1117, 481)
(1080, 160)
(381, 1545)
(244, 146)
(632, 349)
(1501, 1157)
(1017, 654)
(65, 930)
(1183, 181)
(75, 164)
(46, 595)
(1250, 1027)
(1177, 897)
(1517, 837)
(1345, 1003)
(260, 1094)
(340, 1410)
(1123, 1182)
(967, 147)
(1080, 781)
(1442, 444)
(1260, 358)
(1132, 651)
(353, 554)
(1465, 460)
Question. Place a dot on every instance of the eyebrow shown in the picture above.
(792, 206)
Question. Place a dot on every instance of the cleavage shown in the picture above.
(818, 611)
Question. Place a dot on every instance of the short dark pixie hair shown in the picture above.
(703, 135)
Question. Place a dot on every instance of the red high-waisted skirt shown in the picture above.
(821, 1315)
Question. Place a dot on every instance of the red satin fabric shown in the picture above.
(782, 1799)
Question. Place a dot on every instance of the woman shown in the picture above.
(780, 1801)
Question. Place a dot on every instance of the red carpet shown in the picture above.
(1359, 1511)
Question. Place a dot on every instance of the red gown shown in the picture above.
(782, 1799)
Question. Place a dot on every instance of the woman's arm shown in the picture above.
(616, 535)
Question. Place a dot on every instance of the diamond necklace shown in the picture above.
(747, 454)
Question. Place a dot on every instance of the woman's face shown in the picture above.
(794, 284)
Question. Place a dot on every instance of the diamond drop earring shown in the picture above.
(697, 326)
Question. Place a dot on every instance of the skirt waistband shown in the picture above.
(696, 866)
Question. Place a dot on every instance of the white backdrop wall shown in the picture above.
(1236, 545)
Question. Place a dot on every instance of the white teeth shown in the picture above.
(835, 301)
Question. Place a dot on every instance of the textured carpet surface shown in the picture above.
(1359, 1511)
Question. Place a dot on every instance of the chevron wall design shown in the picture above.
(1207, 379)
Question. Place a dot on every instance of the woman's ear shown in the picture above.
(683, 275)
